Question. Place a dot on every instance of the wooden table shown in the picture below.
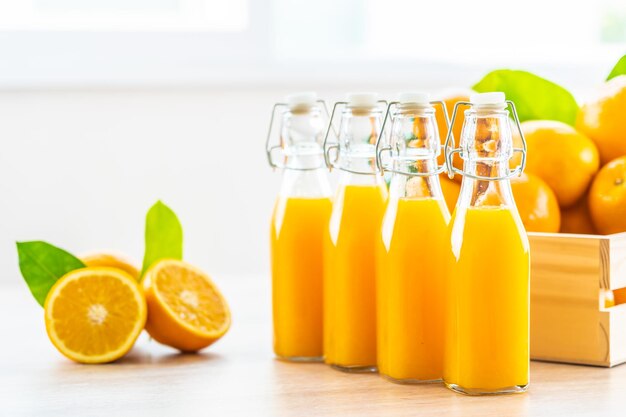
(239, 376)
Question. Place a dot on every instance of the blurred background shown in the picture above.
(108, 105)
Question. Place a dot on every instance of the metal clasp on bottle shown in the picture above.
(388, 148)
(271, 148)
(449, 152)
(329, 146)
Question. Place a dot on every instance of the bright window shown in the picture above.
(281, 41)
(132, 15)
(460, 31)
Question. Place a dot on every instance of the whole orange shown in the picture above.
(451, 190)
(561, 156)
(576, 219)
(603, 119)
(536, 203)
(112, 260)
(607, 198)
(450, 98)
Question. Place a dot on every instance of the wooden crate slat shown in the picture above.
(566, 275)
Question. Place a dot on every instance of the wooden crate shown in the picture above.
(567, 321)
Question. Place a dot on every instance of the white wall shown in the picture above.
(80, 169)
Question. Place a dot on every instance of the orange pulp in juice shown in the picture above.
(487, 346)
(411, 290)
(297, 241)
(350, 277)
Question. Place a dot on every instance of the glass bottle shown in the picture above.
(298, 227)
(350, 276)
(414, 246)
(487, 285)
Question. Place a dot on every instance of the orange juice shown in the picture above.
(297, 236)
(350, 277)
(410, 290)
(487, 347)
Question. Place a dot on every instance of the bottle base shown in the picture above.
(410, 381)
(301, 359)
(515, 389)
(357, 369)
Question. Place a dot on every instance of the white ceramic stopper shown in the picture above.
(412, 97)
(362, 99)
(301, 99)
(488, 99)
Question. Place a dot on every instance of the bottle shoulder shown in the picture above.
(408, 221)
(305, 184)
(492, 229)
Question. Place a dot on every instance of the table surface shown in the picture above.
(239, 376)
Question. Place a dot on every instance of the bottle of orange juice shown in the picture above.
(350, 275)
(488, 268)
(298, 228)
(413, 247)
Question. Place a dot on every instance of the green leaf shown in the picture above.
(618, 69)
(42, 264)
(164, 236)
(535, 98)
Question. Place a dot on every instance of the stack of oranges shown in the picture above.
(575, 179)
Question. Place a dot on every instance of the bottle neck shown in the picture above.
(487, 147)
(312, 183)
(301, 139)
(358, 163)
(413, 186)
(358, 134)
(413, 142)
(420, 166)
(494, 170)
(304, 162)
(486, 192)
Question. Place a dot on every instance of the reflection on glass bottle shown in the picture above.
(350, 277)
(299, 224)
(487, 285)
(413, 248)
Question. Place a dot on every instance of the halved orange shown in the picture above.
(112, 260)
(185, 308)
(95, 314)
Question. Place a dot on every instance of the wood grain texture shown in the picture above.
(568, 322)
(565, 286)
(238, 376)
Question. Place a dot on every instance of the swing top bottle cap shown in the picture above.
(304, 99)
(413, 97)
(488, 99)
(362, 99)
